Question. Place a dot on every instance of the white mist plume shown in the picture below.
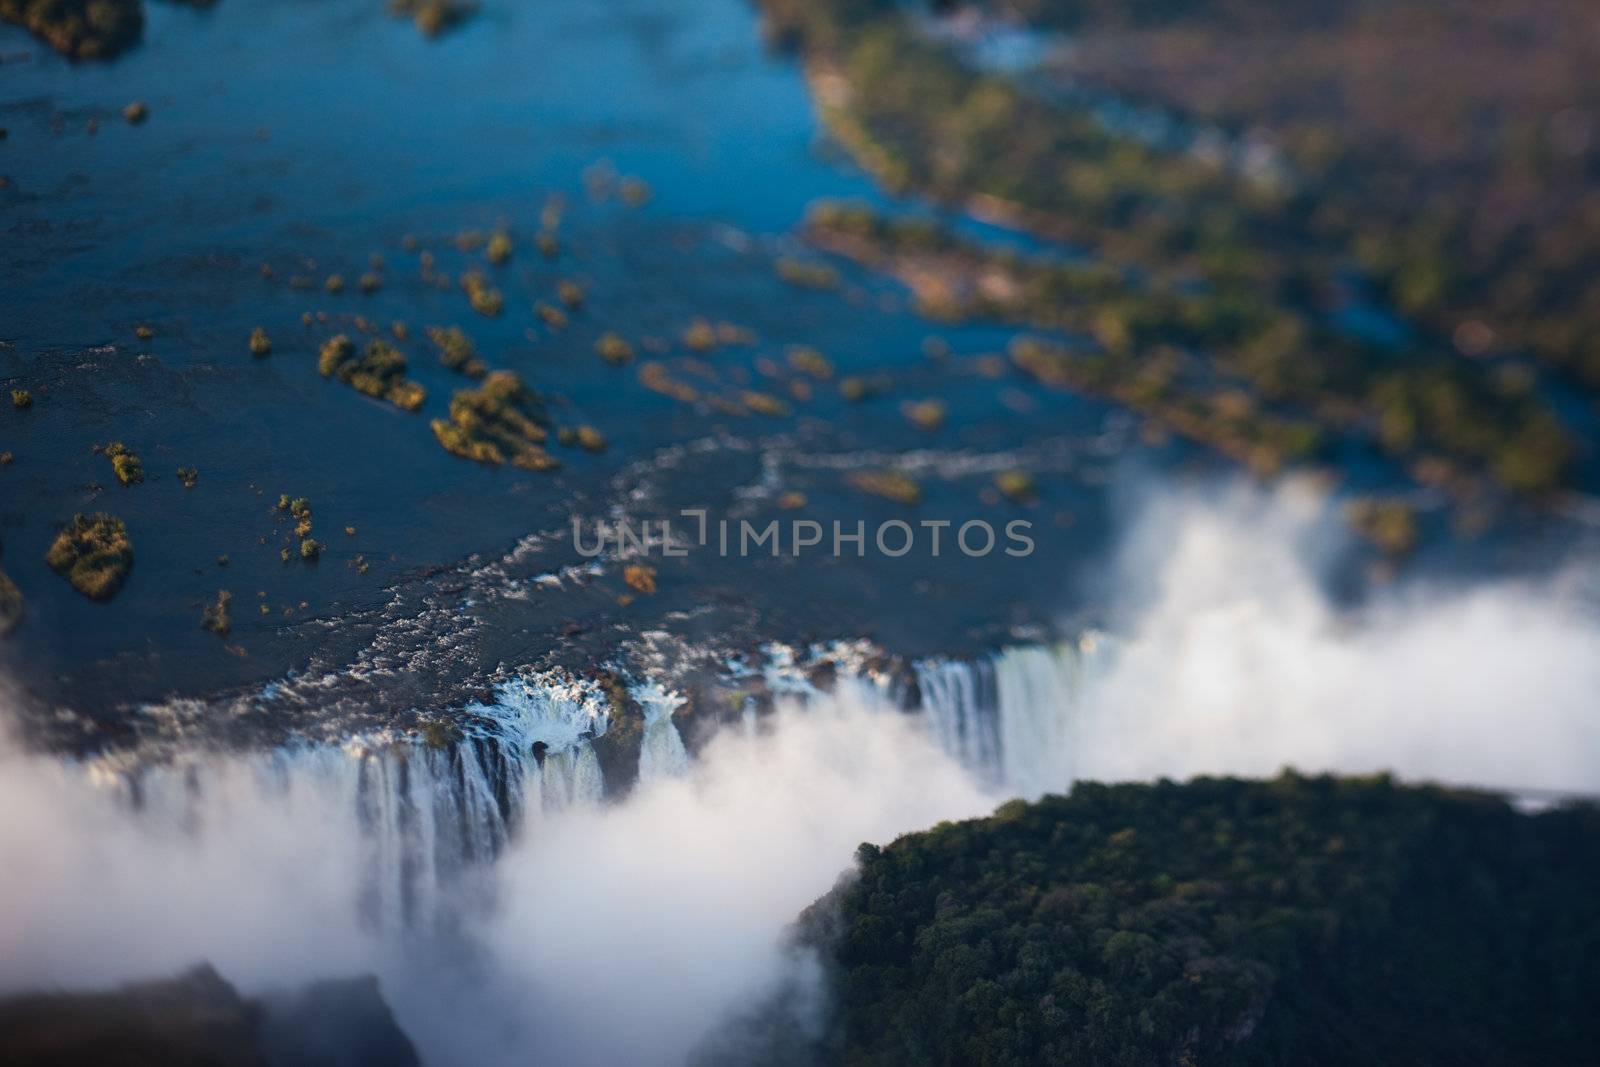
(1239, 663)
(626, 932)
(259, 880)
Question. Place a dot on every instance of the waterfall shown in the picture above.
(547, 722)
(1010, 717)
(962, 705)
(423, 817)
(420, 817)
(661, 752)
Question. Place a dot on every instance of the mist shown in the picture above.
(1233, 659)
(628, 932)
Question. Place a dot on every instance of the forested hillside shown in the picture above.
(1298, 920)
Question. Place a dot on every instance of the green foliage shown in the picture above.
(486, 300)
(79, 29)
(380, 371)
(1204, 257)
(457, 352)
(1213, 361)
(215, 616)
(432, 18)
(502, 421)
(1017, 486)
(11, 605)
(1390, 524)
(1298, 920)
(613, 349)
(94, 554)
(889, 484)
(805, 274)
(499, 248)
(127, 466)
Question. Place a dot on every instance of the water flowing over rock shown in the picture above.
(661, 755)
(426, 816)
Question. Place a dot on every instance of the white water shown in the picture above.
(661, 752)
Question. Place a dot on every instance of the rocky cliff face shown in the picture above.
(199, 1018)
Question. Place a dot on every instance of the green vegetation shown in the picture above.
(1243, 263)
(809, 361)
(299, 509)
(215, 616)
(1390, 524)
(1355, 96)
(654, 376)
(613, 349)
(889, 484)
(128, 468)
(94, 554)
(926, 415)
(378, 372)
(11, 605)
(585, 437)
(21, 398)
(79, 29)
(502, 421)
(764, 404)
(1017, 486)
(1297, 920)
(486, 300)
(1223, 366)
(457, 352)
(499, 248)
(702, 335)
(640, 577)
(550, 315)
(857, 387)
(807, 274)
(433, 17)
(1226, 419)
(635, 192)
(189, 476)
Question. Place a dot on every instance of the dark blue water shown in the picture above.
(312, 136)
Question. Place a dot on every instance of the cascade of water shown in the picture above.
(423, 816)
(420, 815)
(1011, 717)
(661, 751)
(961, 701)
